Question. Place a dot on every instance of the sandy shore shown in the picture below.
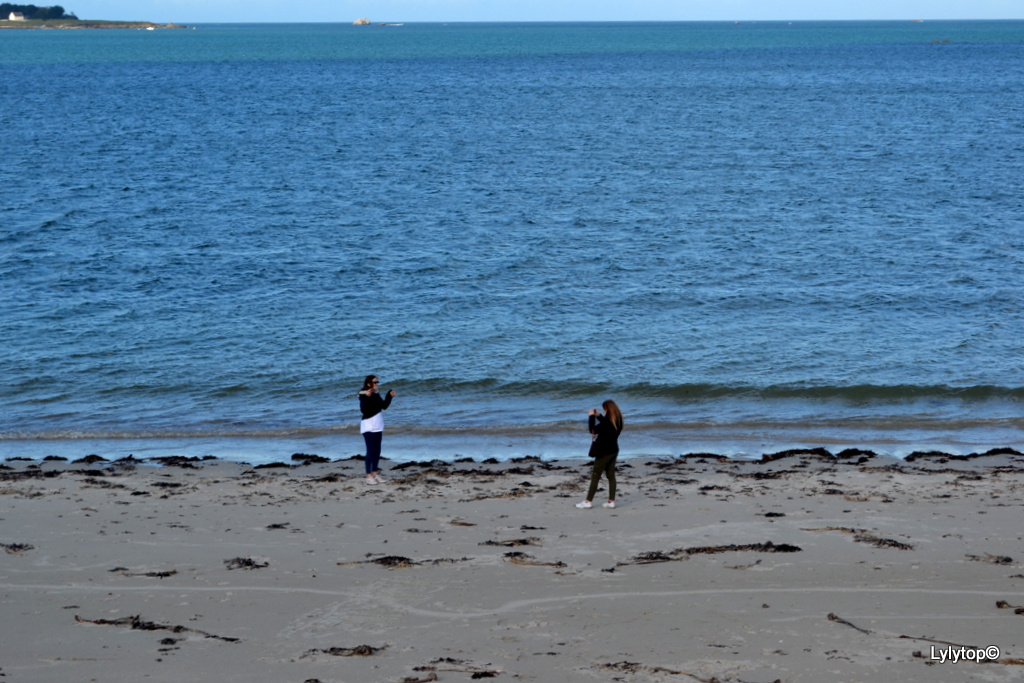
(802, 568)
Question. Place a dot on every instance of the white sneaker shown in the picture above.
(372, 480)
(380, 479)
(609, 504)
(585, 505)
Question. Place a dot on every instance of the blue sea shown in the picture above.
(752, 236)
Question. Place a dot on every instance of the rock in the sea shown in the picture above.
(361, 22)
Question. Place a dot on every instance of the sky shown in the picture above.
(347, 11)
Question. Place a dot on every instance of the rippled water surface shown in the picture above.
(752, 236)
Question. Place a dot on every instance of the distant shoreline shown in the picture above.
(84, 24)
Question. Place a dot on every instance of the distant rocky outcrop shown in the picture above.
(361, 22)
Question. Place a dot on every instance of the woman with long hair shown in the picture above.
(604, 448)
(372, 405)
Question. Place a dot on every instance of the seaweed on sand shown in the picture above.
(136, 623)
(685, 553)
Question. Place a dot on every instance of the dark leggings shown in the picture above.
(603, 465)
(373, 440)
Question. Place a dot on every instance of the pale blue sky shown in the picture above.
(346, 11)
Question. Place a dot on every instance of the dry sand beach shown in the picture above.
(801, 567)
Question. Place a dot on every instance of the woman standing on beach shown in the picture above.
(372, 406)
(604, 449)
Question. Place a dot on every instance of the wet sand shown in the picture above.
(802, 567)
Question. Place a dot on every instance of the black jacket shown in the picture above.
(607, 436)
(371, 404)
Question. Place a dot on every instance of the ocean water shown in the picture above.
(752, 236)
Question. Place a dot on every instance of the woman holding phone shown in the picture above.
(604, 448)
(372, 406)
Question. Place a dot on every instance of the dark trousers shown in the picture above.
(373, 440)
(604, 464)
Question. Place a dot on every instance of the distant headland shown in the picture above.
(30, 16)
